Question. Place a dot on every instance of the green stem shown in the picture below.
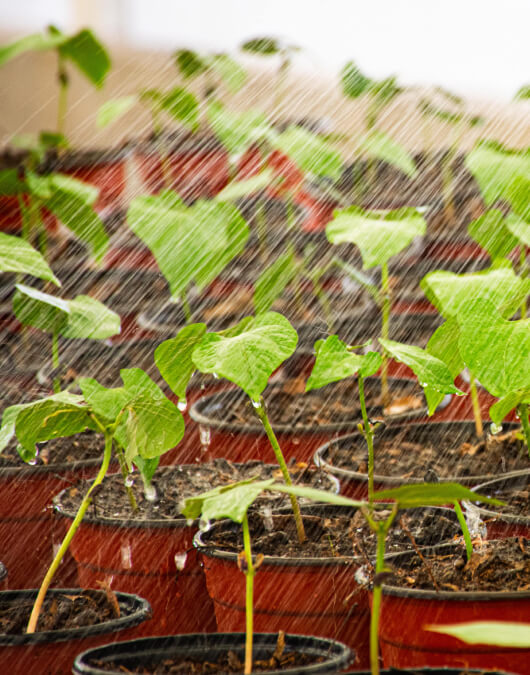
(476, 406)
(261, 229)
(385, 330)
(249, 597)
(125, 473)
(261, 411)
(55, 362)
(32, 625)
(465, 530)
(369, 436)
(62, 76)
(522, 409)
(186, 306)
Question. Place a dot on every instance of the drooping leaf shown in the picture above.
(39, 186)
(310, 152)
(88, 54)
(503, 407)
(451, 293)
(443, 344)
(380, 145)
(491, 232)
(173, 357)
(31, 43)
(182, 106)
(519, 228)
(250, 358)
(354, 83)
(238, 131)
(274, 279)
(229, 70)
(500, 633)
(315, 495)
(189, 63)
(262, 45)
(518, 195)
(431, 494)
(233, 503)
(113, 109)
(378, 236)
(90, 318)
(16, 255)
(40, 310)
(335, 362)
(246, 187)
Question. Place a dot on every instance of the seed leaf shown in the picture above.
(88, 54)
(335, 362)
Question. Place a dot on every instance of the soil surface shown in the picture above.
(61, 612)
(496, 565)
(516, 498)
(68, 450)
(440, 456)
(174, 484)
(335, 533)
(337, 403)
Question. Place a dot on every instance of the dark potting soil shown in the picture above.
(61, 612)
(442, 457)
(516, 499)
(337, 403)
(176, 483)
(87, 445)
(495, 565)
(334, 534)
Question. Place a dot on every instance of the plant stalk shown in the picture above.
(369, 436)
(186, 306)
(261, 411)
(522, 409)
(385, 331)
(125, 473)
(249, 597)
(62, 103)
(32, 624)
(465, 529)
(479, 429)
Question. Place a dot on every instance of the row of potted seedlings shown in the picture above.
(222, 253)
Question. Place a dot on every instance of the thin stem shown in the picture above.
(369, 436)
(476, 406)
(125, 473)
(62, 104)
(32, 625)
(186, 306)
(465, 529)
(249, 597)
(55, 361)
(261, 412)
(385, 330)
(522, 409)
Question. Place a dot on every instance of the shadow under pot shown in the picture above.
(71, 621)
(307, 588)
(301, 654)
(512, 519)
(230, 428)
(487, 588)
(421, 452)
(151, 551)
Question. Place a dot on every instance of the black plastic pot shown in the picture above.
(208, 647)
(53, 652)
(500, 521)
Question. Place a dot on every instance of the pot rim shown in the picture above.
(500, 515)
(348, 474)
(256, 429)
(140, 608)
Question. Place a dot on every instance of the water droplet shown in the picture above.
(205, 435)
(150, 493)
(361, 577)
(495, 429)
(129, 480)
(182, 405)
(268, 523)
(190, 522)
(256, 404)
(32, 462)
(476, 526)
(126, 556)
(215, 375)
(204, 525)
(180, 560)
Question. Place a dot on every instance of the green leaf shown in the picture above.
(182, 106)
(112, 110)
(247, 187)
(499, 633)
(146, 467)
(262, 45)
(39, 186)
(378, 236)
(430, 371)
(88, 54)
(90, 318)
(354, 83)
(234, 503)
(491, 232)
(173, 357)
(315, 495)
(451, 293)
(496, 351)
(523, 92)
(518, 195)
(106, 403)
(335, 361)
(230, 71)
(189, 63)
(380, 145)
(443, 344)
(499, 410)
(30, 43)
(519, 228)
(40, 310)
(71, 202)
(7, 430)
(310, 152)
(10, 183)
(16, 255)
(238, 131)
(431, 494)
(250, 358)
(274, 279)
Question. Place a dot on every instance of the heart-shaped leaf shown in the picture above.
(310, 152)
(88, 54)
(443, 344)
(90, 319)
(274, 279)
(380, 145)
(16, 255)
(492, 233)
(173, 357)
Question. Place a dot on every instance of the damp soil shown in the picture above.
(176, 483)
(63, 611)
(516, 498)
(69, 450)
(495, 565)
(334, 533)
(288, 404)
(441, 455)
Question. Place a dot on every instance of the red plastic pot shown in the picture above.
(53, 652)
(11, 218)
(405, 613)
(503, 522)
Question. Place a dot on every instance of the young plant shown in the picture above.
(136, 419)
(246, 355)
(19, 257)
(379, 235)
(82, 317)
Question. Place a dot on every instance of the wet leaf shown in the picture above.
(492, 233)
(247, 187)
(238, 131)
(506, 404)
(519, 228)
(88, 54)
(16, 255)
(335, 361)
(380, 145)
(10, 183)
(500, 633)
(273, 281)
(443, 344)
(354, 83)
(173, 357)
(262, 45)
(90, 319)
(431, 494)
(31, 43)
(310, 152)
(182, 106)
(189, 63)
(113, 109)
(229, 70)
(228, 501)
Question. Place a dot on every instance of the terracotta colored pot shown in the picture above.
(3, 577)
(53, 652)
(241, 442)
(135, 653)
(504, 522)
(355, 484)
(11, 218)
(433, 671)
(404, 612)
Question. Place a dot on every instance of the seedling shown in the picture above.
(82, 317)
(379, 235)
(136, 419)
(246, 355)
